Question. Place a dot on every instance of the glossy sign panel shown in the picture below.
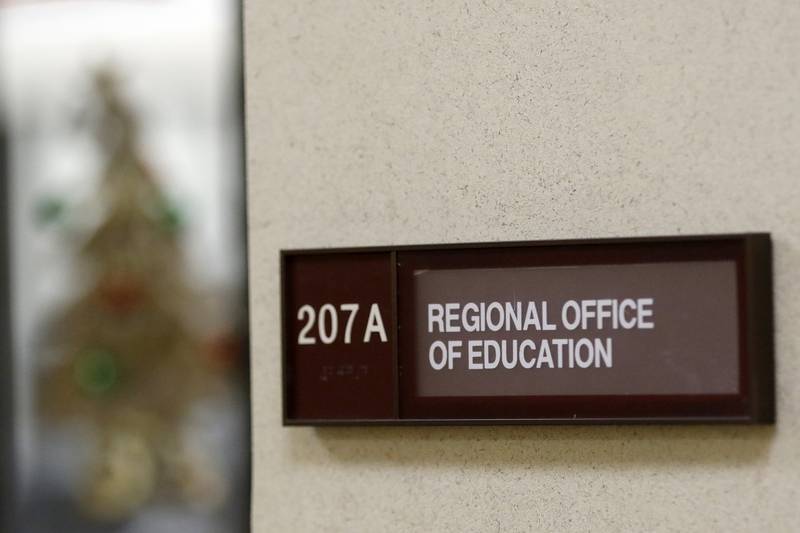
(620, 330)
(595, 329)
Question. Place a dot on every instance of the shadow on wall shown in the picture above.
(480, 447)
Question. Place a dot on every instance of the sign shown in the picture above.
(623, 330)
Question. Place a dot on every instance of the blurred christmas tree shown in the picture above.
(129, 361)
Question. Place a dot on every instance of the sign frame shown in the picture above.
(754, 404)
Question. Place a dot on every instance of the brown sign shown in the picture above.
(625, 330)
(339, 336)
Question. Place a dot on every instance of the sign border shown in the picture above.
(755, 403)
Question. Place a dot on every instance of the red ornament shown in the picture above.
(121, 294)
(226, 350)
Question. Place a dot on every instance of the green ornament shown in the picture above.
(97, 372)
(50, 211)
(169, 216)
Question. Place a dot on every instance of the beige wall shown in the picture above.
(382, 122)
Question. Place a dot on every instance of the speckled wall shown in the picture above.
(381, 122)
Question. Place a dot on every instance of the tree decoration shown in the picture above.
(131, 361)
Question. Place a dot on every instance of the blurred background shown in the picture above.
(124, 323)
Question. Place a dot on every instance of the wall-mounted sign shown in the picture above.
(621, 330)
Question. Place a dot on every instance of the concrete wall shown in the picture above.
(380, 122)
